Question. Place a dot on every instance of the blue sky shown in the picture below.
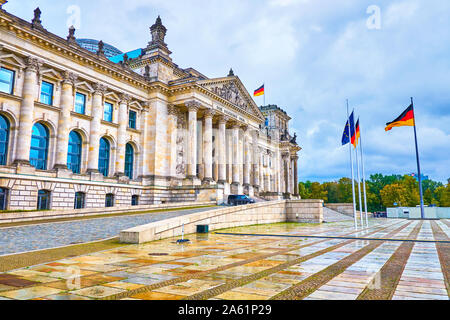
(312, 56)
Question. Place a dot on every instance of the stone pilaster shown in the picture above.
(222, 149)
(295, 177)
(207, 146)
(27, 111)
(286, 172)
(172, 130)
(235, 165)
(122, 134)
(62, 138)
(94, 138)
(192, 139)
(255, 159)
(247, 164)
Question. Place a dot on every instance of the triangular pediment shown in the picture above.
(232, 90)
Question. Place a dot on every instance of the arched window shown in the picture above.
(74, 152)
(109, 200)
(103, 157)
(129, 159)
(43, 200)
(3, 198)
(4, 138)
(134, 200)
(39, 146)
(79, 200)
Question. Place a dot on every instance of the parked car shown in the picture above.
(237, 199)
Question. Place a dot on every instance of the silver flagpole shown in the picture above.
(359, 186)
(351, 162)
(363, 176)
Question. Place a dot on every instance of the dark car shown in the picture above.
(237, 199)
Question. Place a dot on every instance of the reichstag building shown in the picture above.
(83, 125)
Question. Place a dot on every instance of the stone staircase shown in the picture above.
(334, 216)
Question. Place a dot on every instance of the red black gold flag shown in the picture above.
(356, 135)
(405, 119)
(259, 92)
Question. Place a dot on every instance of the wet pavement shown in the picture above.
(57, 234)
(215, 266)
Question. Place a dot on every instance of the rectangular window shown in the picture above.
(108, 112)
(132, 119)
(80, 103)
(47, 93)
(6, 80)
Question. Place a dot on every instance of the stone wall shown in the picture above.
(258, 213)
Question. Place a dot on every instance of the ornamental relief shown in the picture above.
(181, 145)
(229, 91)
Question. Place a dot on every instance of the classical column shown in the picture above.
(192, 139)
(173, 133)
(286, 172)
(235, 168)
(122, 134)
(26, 111)
(94, 138)
(222, 149)
(295, 176)
(62, 138)
(207, 146)
(255, 159)
(247, 163)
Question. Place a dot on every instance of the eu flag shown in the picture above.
(346, 136)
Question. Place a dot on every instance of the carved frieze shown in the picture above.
(229, 91)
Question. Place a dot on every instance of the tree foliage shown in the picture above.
(382, 191)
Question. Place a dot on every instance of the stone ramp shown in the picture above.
(334, 216)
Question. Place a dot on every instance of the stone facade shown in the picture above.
(172, 134)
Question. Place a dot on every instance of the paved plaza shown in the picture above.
(276, 264)
(54, 234)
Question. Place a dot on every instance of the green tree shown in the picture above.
(393, 193)
(442, 195)
(345, 190)
(412, 191)
(428, 197)
(318, 192)
(332, 191)
(303, 191)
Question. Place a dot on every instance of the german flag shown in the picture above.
(259, 92)
(356, 135)
(405, 119)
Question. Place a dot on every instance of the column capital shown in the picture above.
(223, 119)
(69, 77)
(99, 88)
(32, 64)
(295, 158)
(285, 155)
(172, 110)
(193, 106)
(208, 113)
(124, 98)
(244, 127)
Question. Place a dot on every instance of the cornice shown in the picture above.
(62, 47)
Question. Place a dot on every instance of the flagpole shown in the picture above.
(264, 86)
(422, 210)
(353, 179)
(359, 184)
(363, 176)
